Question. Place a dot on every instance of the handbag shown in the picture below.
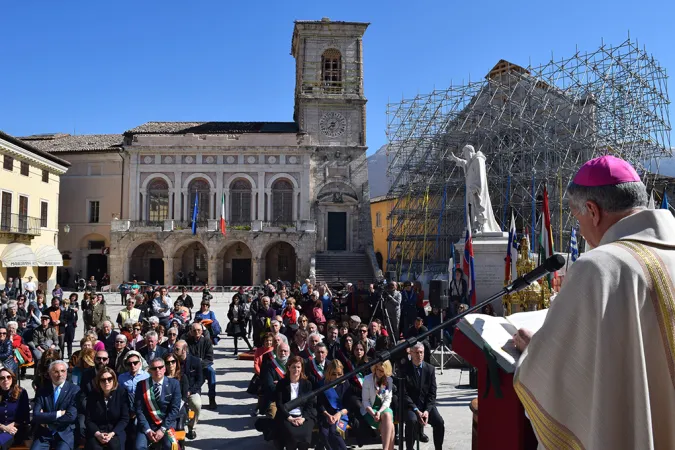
(254, 385)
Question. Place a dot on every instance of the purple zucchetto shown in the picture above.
(606, 170)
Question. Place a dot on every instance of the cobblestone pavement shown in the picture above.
(232, 427)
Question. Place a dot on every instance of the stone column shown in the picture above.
(305, 199)
(261, 196)
(185, 203)
(226, 192)
(212, 194)
(269, 205)
(177, 190)
(169, 275)
(142, 213)
(171, 191)
(116, 267)
(213, 272)
(295, 205)
(256, 269)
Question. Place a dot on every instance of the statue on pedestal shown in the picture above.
(478, 205)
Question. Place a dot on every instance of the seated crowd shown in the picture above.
(125, 388)
(305, 338)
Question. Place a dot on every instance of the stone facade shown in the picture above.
(289, 190)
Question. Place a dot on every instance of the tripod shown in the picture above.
(385, 315)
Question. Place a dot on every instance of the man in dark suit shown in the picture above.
(191, 366)
(107, 335)
(273, 370)
(157, 404)
(420, 398)
(314, 367)
(55, 411)
(415, 330)
(152, 350)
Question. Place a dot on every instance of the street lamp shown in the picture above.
(66, 228)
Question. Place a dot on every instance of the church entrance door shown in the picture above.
(337, 231)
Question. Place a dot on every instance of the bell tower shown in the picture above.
(329, 101)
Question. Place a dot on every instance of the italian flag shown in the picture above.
(546, 234)
(223, 225)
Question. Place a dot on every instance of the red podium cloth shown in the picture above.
(501, 421)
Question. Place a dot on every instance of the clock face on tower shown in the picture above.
(333, 124)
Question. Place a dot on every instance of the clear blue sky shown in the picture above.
(105, 67)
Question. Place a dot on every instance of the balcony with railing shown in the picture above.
(213, 225)
(20, 224)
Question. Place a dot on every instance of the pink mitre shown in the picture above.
(606, 170)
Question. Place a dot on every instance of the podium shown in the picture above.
(501, 421)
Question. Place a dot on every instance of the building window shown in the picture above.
(25, 168)
(282, 202)
(240, 203)
(158, 200)
(44, 206)
(201, 189)
(45, 176)
(94, 169)
(23, 214)
(378, 220)
(96, 245)
(6, 212)
(94, 210)
(8, 163)
(331, 71)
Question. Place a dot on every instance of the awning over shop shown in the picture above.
(48, 256)
(18, 255)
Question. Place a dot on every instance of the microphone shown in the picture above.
(552, 264)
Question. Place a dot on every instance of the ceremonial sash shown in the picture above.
(317, 370)
(155, 413)
(279, 368)
(305, 354)
(358, 378)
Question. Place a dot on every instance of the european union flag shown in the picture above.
(195, 210)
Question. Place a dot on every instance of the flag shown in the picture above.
(195, 210)
(664, 202)
(510, 270)
(651, 204)
(223, 225)
(546, 234)
(574, 246)
(468, 266)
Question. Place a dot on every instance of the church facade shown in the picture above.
(287, 190)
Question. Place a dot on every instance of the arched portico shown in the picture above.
(280, 260)
(146, 262)
(236, 265)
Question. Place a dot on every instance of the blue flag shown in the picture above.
(574, 247)
(664, 202)
(195, 210)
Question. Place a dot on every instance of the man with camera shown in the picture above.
(391, 302)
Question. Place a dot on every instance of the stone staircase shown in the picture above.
(343, 266)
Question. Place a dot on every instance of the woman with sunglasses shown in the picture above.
(377, 398)
(107, 413)
(14, 411)
(7, 351)
(172, 338)
(173, 370)
(137, 341)
(332, 409)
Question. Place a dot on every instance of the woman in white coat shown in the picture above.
(376, 397)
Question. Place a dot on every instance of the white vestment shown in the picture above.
(600, 373)
(477, 195)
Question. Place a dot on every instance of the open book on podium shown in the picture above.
(486, 342)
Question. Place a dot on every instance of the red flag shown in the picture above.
(468, 265)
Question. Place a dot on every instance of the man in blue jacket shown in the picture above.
(55, 411)
(157, 405)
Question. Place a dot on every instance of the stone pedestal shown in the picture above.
(489, 252)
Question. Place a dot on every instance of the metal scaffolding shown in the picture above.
(535, 125)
